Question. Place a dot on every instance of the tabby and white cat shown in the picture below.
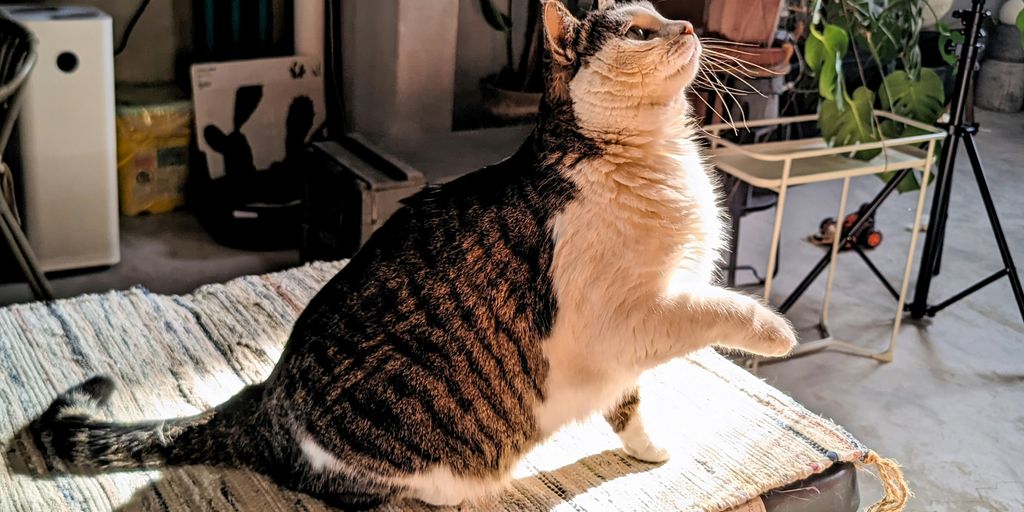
(493, 310)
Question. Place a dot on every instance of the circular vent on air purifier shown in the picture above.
(67, 62)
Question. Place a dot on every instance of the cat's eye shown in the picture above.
(639, 34)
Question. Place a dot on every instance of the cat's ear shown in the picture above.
(559, 31)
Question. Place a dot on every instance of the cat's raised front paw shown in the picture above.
(774, 335)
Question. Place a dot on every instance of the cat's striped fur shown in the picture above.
(489, 311)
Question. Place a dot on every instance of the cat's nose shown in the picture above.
(677, 28)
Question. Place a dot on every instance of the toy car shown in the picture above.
(867, 237)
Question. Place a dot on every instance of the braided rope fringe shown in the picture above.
(896, 492)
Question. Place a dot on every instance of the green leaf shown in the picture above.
(814, 53)
(909, 182)
(946, 35)
(1020, 25)
(495, 18)
(851, 125)
(921, 100)
(824, 53)
(892, 130)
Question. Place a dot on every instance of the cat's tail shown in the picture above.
(72, 438)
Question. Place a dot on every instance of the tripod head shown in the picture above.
(970, 19)
(967, 63)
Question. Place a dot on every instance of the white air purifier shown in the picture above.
(66, 146)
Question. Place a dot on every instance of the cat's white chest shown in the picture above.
(634, 230)
(631, 235)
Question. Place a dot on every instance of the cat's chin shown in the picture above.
(684, 75)
(688, 60)
(687, 55)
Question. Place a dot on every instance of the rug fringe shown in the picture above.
(896, 492)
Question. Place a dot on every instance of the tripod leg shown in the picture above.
(936, 226)
(993, 219)
(940, 244)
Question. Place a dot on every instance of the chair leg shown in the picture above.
(22, 252)
(737, 202)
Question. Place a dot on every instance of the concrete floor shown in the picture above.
(950, 407)
(166, 253)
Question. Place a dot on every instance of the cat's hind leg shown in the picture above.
(341, 491)
(625, 421)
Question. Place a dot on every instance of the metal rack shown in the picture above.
(779, 165)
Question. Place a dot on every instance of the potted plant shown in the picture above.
(512, 96)
(886, 32)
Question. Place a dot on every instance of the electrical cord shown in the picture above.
(131, 26)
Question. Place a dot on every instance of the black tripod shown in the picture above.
(959, 130)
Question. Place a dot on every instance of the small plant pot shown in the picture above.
(744, 21)
(503, 107)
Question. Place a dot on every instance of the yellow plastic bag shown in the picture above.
(152, 156)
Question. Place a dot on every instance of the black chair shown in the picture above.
(17, 58)
(741, 199)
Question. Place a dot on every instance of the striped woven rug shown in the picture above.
(732, 437)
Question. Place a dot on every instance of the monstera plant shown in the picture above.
(885, 32)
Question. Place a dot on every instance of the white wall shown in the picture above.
(399, 66)
(161, 34)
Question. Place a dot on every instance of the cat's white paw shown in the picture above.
(637, 444)
(647, 452)
(774, 336)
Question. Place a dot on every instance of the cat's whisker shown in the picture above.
(715, 67)
(714, 113)
(740, 77)
(749, 85)
(733, 43)
(707, 133)
(724, 91)
(749, 69)
(732, 69)
(728, 111)
(724, 58)
(731, 55)
(712, 109)
(708, 85)
(743, 115)
(727, 49)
